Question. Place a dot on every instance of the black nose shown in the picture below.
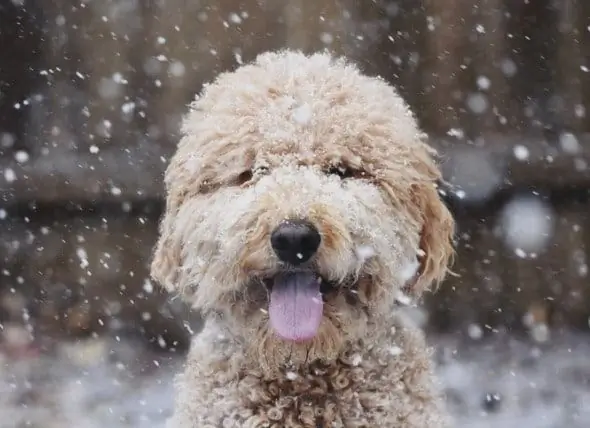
(295, 242)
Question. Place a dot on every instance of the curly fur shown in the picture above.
(259, 146)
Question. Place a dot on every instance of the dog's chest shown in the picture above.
(338, 396)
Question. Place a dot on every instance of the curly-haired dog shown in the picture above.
(301, 202)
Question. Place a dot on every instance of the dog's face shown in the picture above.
(301, 202)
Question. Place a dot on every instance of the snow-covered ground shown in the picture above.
(511, 383)
(501, 382)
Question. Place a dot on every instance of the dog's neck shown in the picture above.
(272, 358)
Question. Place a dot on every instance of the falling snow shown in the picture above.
(9, 175)
(569, 143)
(365, 252)
(303, 114)
(83, 256)
(527, 224)
(521, 153)
(483, 83)
(508, 67)
(21, 156)
(474, 331)
(91, 118)
(477, 103)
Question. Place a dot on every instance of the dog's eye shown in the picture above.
(244, 177)
(341, 171)
(248, 175)
(261, 170)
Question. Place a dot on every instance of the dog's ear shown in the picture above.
(167, 260)
(415, 192)
(436, 239)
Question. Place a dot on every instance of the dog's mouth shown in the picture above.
(296, 304)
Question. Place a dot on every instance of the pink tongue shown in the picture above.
(296, 306)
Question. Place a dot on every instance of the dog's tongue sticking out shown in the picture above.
(296, 306)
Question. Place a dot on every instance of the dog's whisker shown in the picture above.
(307, 356)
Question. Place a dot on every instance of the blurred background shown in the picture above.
(91, 94)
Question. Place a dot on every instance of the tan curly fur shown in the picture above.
(258, 147)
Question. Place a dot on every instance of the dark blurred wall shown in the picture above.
(91, 93)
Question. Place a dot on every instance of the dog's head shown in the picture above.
(302, 199)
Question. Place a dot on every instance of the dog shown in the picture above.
(301, 204)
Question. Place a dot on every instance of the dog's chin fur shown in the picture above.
(295, 137)
(345, 320)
